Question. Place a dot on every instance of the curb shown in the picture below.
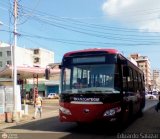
(28, 120)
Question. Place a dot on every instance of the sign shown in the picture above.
(88, 59)
(86, 99)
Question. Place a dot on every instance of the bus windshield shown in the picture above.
(91, 78)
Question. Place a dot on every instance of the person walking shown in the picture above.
(38, 106)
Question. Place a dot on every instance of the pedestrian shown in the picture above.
(38, 106)
(157, 107)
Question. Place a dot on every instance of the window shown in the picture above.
(0, 63)
(0, 54)
(117, 78)
(140, 82)
(125, 83)
(93, 77)
(135, 80)
(9, 62)
(130, 80)
(36, 51)
(36, 60)
(66, 79)
(8, 53)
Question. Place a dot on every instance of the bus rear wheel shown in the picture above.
(81, 124)
(125, 118)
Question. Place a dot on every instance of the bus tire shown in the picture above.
(130, 111)
(123, 122)
(140, 113)
(80, 124)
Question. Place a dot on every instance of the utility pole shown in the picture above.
(15, 116)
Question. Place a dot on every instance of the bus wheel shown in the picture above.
(81, 124)
(126, 116)
(130, 112)
(140, 113)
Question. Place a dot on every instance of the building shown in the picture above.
(30, 63)
(156, 76)
(42, 57)
(144, 64)
(38, 57)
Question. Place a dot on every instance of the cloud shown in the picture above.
(144, 14)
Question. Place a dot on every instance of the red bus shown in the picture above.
(100, 85)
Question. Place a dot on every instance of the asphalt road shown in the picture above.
(144, 127)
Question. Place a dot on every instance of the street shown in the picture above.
(51, 127)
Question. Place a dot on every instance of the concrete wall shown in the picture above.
(46, 57)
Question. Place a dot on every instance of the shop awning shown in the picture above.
(26, 72)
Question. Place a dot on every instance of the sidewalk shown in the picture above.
(49, 109)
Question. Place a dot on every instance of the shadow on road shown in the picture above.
(72, 130)
(54, 125)
(148, 123)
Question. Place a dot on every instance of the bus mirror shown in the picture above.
(60, 66)
(125, 71)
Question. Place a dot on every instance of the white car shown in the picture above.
(151, 96)
(52, 95)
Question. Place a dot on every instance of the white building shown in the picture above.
(42, 57)
(25, 57)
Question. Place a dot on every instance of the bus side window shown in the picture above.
(140, 83)
(124, 79)
(130, 81)
(117, 79)
(135, 79)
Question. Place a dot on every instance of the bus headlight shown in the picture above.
(112, 111)
(65, 111)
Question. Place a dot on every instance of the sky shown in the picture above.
(130, 26)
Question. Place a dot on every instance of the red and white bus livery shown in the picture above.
(100, 85)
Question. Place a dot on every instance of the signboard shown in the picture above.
(88, 59)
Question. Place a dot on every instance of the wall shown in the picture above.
(24, 57)
(46, 57)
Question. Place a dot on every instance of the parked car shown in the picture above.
(155, 93)
(150, 96)
(53, 95)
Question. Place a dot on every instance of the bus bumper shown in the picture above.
(89, 113)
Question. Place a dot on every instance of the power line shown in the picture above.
(83, 29)
(31, 13)
(91, 32)
(81, 41)
(94, 33)
(85, 42)
(40, 13)
(95, 25)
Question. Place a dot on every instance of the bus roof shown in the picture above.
(110, 51)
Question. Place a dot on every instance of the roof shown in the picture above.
(26, 72)
(111, 51)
